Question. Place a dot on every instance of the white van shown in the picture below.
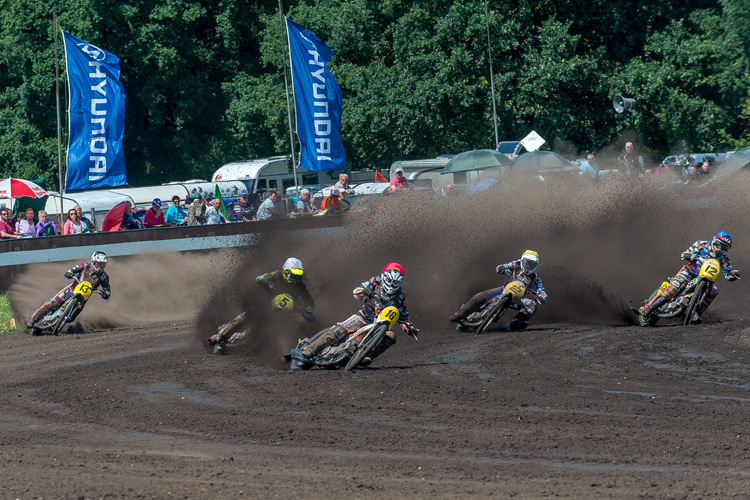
(274, 173)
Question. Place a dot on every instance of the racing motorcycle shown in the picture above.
(228, 336)
(353, 348)
(491, 311)
(687, 301)
(54, 321)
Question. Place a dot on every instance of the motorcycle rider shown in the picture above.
(717, 248)
(523, 270)
(287, 280)
(377, 293)
(92, 271)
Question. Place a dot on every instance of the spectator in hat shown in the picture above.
(331, 202)
(244, 210)
(176, 214)
(154, 215)
(399, 181)
(196, 214)
(267, 209)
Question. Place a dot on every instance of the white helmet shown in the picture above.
(529, 262)
(99, 260)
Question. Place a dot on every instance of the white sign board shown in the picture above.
(532, 142)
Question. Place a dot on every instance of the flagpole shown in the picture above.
(492, 77)
(59, 140)
(286, 87)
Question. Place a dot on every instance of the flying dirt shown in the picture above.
(582, 404)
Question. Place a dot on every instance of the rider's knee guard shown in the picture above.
(333, 334)
(48, 306)
(471, 306)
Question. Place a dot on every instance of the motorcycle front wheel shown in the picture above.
(695, 300)
(367, 346)
(497, 310)
(66, 315)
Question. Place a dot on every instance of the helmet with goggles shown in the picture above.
(529, 262)
(99, 260)
(391, 279)
(293, 271)
(721, 242)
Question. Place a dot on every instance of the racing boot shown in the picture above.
(698, 311)
(388, 341)
(520, 322)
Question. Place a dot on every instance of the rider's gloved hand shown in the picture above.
(542, 298)
(106, 294)
(500, 269)
(69, 275)
(733, 275)
(685, 256)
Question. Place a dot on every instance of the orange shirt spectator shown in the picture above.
(332, 202)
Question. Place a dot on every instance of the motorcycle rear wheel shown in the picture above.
(497, 310)
(695, 300)
(367, 347)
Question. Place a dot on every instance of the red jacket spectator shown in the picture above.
(154, 216)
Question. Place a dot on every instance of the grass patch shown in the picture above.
(6, 315)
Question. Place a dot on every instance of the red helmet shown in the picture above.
(394, 265)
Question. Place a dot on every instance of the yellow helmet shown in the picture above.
(529, 261)
(293, 271)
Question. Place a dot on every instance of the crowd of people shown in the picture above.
(32, 224)
(631, 163)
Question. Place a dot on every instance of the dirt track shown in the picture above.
(556, 411)
(581, 405)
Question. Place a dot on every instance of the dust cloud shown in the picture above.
(604, 246)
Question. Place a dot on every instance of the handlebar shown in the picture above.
(412, 330)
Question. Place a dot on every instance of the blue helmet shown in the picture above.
(721, 242)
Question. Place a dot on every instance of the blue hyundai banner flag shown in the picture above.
(96, 117)
(317, 101)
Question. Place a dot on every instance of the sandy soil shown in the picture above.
(581, 405)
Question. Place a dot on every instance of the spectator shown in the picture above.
(399, 181)
(176, 214)
(444, 191)
(213, 214)
(6, 228)
(705, 170)
(44, 227)
(72, 225)
(267, 210)
(331, 203)
(343, 184)
(690, 176)
(129, 220)
(88, 226)
(243, 209)
(154, 215)
(590, 169)
(26, 227)
(304, 205)
(196, 214)
(209, 198)
(631, 162)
